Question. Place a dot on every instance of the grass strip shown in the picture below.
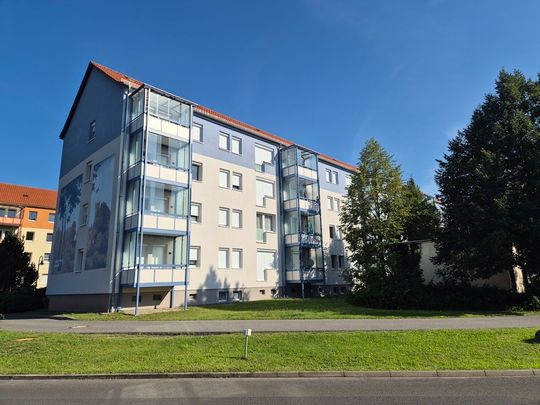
(309, 308)
(57, 353)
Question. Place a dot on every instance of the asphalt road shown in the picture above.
(297, 391)
(292, 325)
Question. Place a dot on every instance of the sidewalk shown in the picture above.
(258, 326)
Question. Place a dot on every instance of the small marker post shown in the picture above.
(247, 334)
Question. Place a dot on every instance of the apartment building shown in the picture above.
(163, 203)
(29, 212)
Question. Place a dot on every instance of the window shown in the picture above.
(224, 141)
(193, 297)
(79, 260)
(11, 213)
(236, 259)
(88, 171)
(30, 236)
(236, 219)
(330, 204)
(335, 177)
(84, 214)
(236, 145)
(92, 131)
(341, 260)
(237, 296)
(263, 156)
(197, 133)
(332, 232)
(223, 296)
(32, 215)
(49, 237)
(264, 189)
(196, 213)
(266, 222)
(266, 261)
(224, 178)
(194, 256)
(347, 181)
(223, 258)
(328, 175)
(47, 257)
(51, 217)
(236, 181)
(157, 297)
(338, 205)
(334, 260)
(223, 217)
(262, 292)
(169, 109)
(196, 171)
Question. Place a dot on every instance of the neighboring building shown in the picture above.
(29, 213)
(163, 202)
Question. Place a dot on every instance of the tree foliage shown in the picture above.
(490, 186)
(16, 271)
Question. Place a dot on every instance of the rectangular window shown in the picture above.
(236, 181)
(196, 212)
(237, 296)
(30, 236)
(223, 296)
(11, 213)
(224, 178)
(266, 222)
(49, 237)
(51, 217)
(47, 257)
(266, 262)
(223, 217)
(223, 258)
(236, 259)
(334, 261)
(196, 171)
(335, 177)
(264, 189)
(330, 202)
(197, 133)
(236, 145)
(332, 232)
(263, 156)
(328, 175)
(84, 214)
(338, 205)
(88, 171)
(341, 261)
(236, 219)
(32, 215)
(194, 256)
(79, 260)
(224, 141)
(92, 131)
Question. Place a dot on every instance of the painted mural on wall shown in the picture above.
(99, 217)
(66, 226)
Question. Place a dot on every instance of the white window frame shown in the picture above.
(265, 196)
(328, 175)
(92, 131)
(238, 141)
(239, 176)
(201, 138)
(227, 258)
(227, 217)
(200, 166)
(259, 166)
(228, 173)
(224, 135)
(240, 219)
(199, 217)
(240, 259)
(198, 261)
(330, 203)
(335, 177)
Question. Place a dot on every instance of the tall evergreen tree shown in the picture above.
(490, 186)
(16, 271)
(372, 216)
(423, 220)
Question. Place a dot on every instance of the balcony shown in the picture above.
(168, 128)
(155, 222)
(10, 221)
(310, 206)
(154, 275)
(311, 275)
(306, 239)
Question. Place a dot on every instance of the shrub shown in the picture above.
(21, 300)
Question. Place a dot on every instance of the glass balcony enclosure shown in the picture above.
(309, 224)
(169, 109)
(168, 152)
(303, 189)
(166, 199)
(157, 251)
(294, 156)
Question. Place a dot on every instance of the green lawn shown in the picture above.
(309, 308)
(40, 353)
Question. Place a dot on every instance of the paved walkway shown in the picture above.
(230, 326)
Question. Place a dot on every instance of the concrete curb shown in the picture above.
(285, 374)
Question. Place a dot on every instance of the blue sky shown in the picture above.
(328, 74)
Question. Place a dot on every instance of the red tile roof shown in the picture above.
(23, 196)
(129, 81)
